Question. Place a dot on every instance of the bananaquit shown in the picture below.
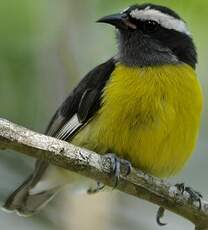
(144, 104)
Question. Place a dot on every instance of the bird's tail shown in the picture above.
(25, 202)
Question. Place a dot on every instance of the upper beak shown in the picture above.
(120, 21)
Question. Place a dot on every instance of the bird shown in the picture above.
(143, 105)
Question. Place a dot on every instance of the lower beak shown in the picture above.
(120, 21)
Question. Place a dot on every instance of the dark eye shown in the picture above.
(150, 26)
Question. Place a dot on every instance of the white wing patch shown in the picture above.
(72, 125)
(165, 20)
(123, 11)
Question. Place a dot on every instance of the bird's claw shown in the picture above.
(116, 167)
(194, 196)
(98, 188)
(159, 216)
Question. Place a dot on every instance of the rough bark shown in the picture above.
(93, 165)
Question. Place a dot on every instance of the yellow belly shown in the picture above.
(149, 116)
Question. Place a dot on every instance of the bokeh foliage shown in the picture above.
(46, 46)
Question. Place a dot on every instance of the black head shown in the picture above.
(152, 35)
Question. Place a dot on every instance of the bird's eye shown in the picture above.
(150, 26)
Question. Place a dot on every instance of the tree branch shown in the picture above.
(93, 165)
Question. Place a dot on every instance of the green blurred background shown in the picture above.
(46, 46)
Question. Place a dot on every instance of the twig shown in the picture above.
(93, 165)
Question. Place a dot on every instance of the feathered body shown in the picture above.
(144, 105)
(149, 116)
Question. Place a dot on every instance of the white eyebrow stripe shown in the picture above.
(166, 21)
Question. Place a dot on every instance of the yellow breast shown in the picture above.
(149, 116)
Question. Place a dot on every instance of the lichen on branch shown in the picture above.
(93, 165)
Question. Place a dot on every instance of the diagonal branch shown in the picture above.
(90, 164)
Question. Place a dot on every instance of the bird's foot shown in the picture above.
(98, 188)
(194, 196)
(116, 167)
(159, 216)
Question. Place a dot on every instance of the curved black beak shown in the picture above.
(120, 21)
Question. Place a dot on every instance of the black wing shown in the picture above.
(78, 108)
(74, 113)
(82, 103)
